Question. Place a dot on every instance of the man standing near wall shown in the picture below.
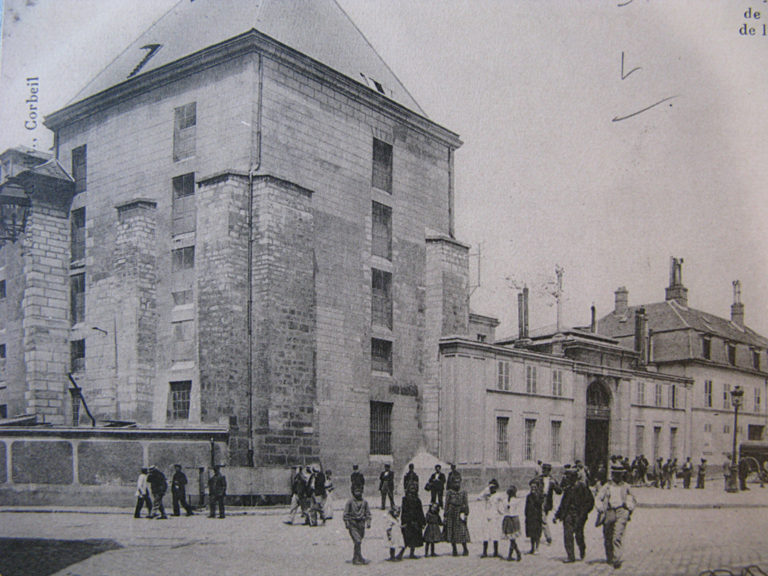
(158, 485)
(179, 491)
(217, 489)
(436, 486)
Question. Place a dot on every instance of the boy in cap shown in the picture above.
(615, 504)
(357, 517)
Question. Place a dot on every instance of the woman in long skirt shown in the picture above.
(533, 514)
(412, 519)
(455, 521)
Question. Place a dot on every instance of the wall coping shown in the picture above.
(84, 433)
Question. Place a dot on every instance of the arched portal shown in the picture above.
(598, 426)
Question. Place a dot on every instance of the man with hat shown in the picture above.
(158, 486)
(436, 486)
(701, 475)
(549, 487)
(217, 491)
(387, 486)
(179, 491)
(574, 507)
(615, 504)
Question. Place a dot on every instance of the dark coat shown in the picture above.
(577, 502)
(157, 482)
(217, 485)
(387, 481)
(179, 481)
(533, 515)
(436, 482)
(357, 480)
(410, 477)
(413, 521)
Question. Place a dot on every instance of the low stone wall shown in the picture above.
(99, 466)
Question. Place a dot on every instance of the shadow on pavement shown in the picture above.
(39, 557)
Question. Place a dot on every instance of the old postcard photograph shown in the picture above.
(383, 286)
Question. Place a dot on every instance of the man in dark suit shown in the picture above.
(217, 490)
(436, 486)
(356, 479)
(387, 486)
(179, 491)
(410, 478)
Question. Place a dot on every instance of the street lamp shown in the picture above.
(737, 397)
(14, 210)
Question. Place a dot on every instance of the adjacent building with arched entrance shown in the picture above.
(556, 398)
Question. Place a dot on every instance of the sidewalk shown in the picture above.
(713, 496)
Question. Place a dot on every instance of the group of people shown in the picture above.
(311, 495)
(505, 514)
(661, 474)
(152, 486)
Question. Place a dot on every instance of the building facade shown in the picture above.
(259, 235)
(716, 353)
(556, 398)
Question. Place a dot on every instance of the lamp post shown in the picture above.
(14, 211)
(737, 397)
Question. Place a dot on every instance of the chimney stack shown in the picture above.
(593, 321)
(641, 335)
(676, 291)
(622, 301)
(737, 308)
(522, 313)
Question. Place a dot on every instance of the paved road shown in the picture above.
(659, 541)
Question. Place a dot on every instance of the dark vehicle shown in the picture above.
(753, 460)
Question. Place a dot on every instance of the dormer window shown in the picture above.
(731, 350)
(706, 347)
(756, 359)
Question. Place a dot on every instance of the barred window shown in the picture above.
(382, 165)
(639, 439)
(77, 298)
(77, 238)
(502, 439)
(556, 447)
(77, 355)
(382, 231)
(503, 382)
(529, 448)
(184, 131)
(381, 298)
(180, 399)
(381, 428)
(381, 355)
(79, 168)
(183, 203)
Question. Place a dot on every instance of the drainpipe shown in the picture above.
(254, 165)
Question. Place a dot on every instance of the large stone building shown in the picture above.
(716, 353)
(258, 232)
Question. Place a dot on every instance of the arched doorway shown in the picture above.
(598, 426)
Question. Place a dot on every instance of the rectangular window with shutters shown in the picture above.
(659, 397)
(184, 131)
(77, 355)
(77, 237)
(641, 393)
(80, 168)
(183, 259)
(77, 298)
(382, 165)
(557, 382)
(708, 393)
(381, 298)
(502, 439)
(726, 397)
(757, 400)
(530, 379)
(556, 448)
(183, 207)
(381, 355)
(529, 448)
(180, 400)
(382, 231)
(381, 428)
(673, 396)
(503, 382)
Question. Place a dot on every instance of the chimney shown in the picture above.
(641, 335)
(737, 308)
(676, 291)
(593, 321)
(622, 301)
(522, 313)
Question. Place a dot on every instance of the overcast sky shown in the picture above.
(560, 165)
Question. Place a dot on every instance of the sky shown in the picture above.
(601, 137)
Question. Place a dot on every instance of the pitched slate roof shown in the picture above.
(319, 29)
(670, 315)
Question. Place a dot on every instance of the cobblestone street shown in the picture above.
(660, 540)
